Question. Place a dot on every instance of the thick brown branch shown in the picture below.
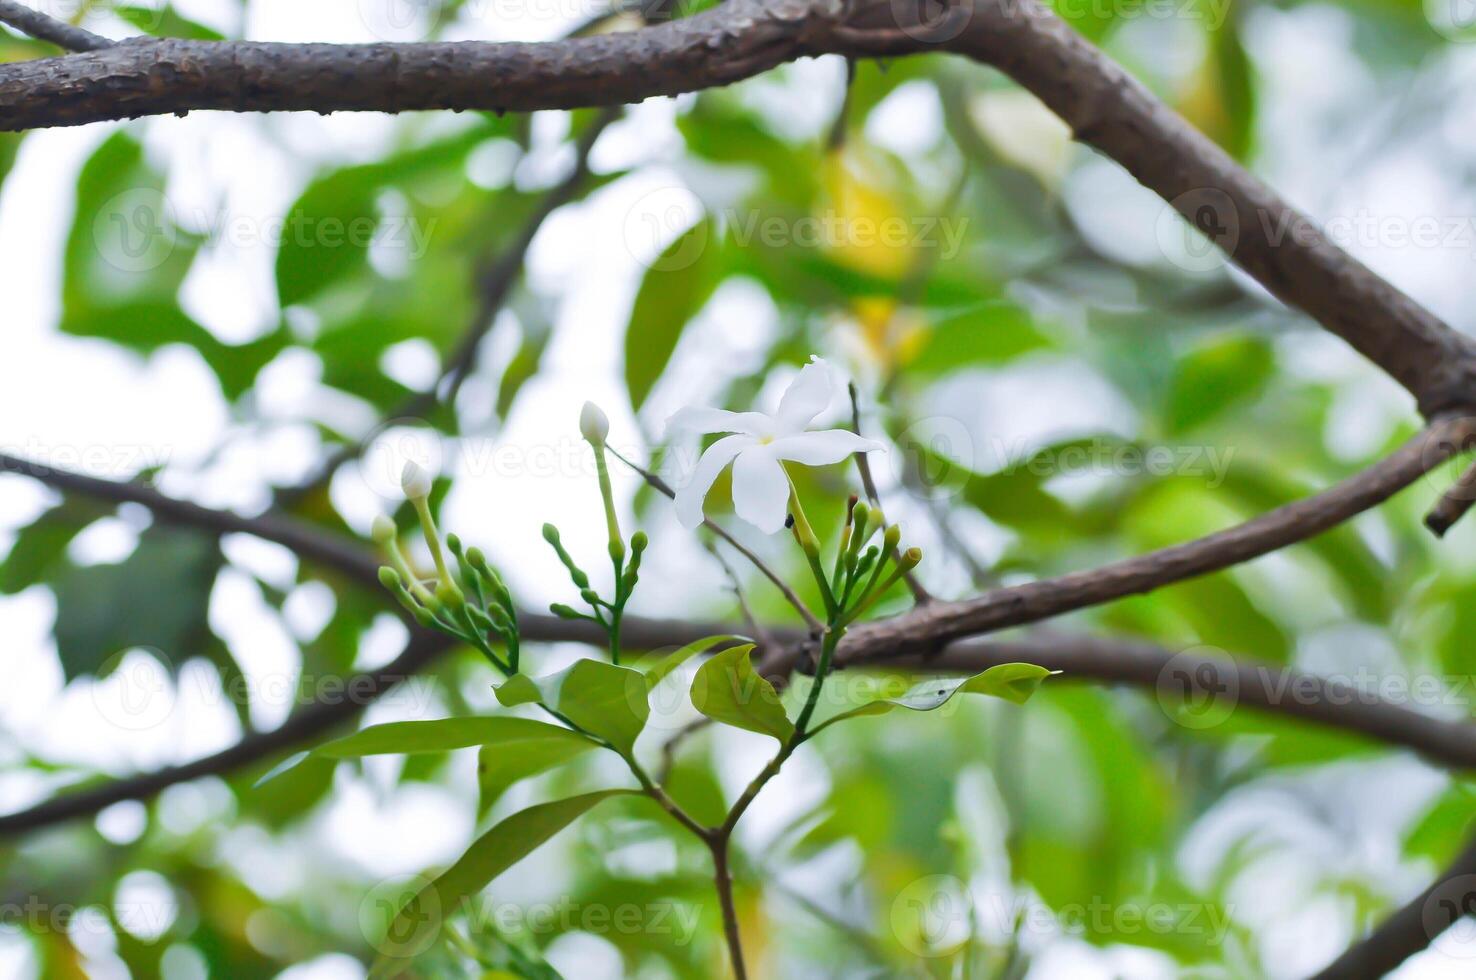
(739, 39)
(1276, 244)
(927, 628)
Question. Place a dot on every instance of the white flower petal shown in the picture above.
(822, 448)
(807, 396)
(694, 418)
(690, 497)
(761, 490)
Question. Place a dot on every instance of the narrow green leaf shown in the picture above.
(729, 690)
(675, 288)
(491, 854)
(605, 700)
(663, 668)
(501, 764)
(443, 735)
(1012, 682)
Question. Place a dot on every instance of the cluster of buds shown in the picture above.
(471, 604)
(860, 577)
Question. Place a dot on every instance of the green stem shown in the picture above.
(810, 545)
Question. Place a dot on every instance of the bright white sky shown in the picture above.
(61, 394)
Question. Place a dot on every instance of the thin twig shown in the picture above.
(661, 486)
(920, 595)
(494, 285)
(44, 27)
(1453, 505)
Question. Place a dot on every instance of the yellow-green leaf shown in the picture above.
(729, 690)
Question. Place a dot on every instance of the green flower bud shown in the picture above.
(551, 534)
(564, 612)
(892, 538)
(390, 579)
(639, 541)
(382, 531)
(590, 596)
(910, 558)
(453, 542)
(476, 559)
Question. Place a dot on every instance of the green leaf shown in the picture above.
(335, 218)
(1012, 682)
(157, 597)
(165, 22)
(446, 734)
(662, 668)
(41, 546)
(729, 690)
(675, 288)
(501, 764)
(491, 854)
(605, 700)
(1216, 376)
(994, 333)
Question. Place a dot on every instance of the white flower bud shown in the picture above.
(593, 424)
(383, 530)
(415, 481)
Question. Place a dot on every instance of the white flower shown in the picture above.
(415, 481)
(593, 424)
(759, 443)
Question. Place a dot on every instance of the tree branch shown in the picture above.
(1413, 927)
(44, 27)
(1280, 247)
(927, 628)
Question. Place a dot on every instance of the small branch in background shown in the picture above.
(662, 487)
(43, 27)
(920, 595)
(670, 746)
(760, 631)
(1454, 504)
(837, 137)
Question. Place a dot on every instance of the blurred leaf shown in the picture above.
(676, 286)
(166, 22)
(503, 763)
(727, 689)
(1216, 376)
(601, 698)
(41, 546)
(491, 854)
(157, 597)
(993, 333)
(1012, 682)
